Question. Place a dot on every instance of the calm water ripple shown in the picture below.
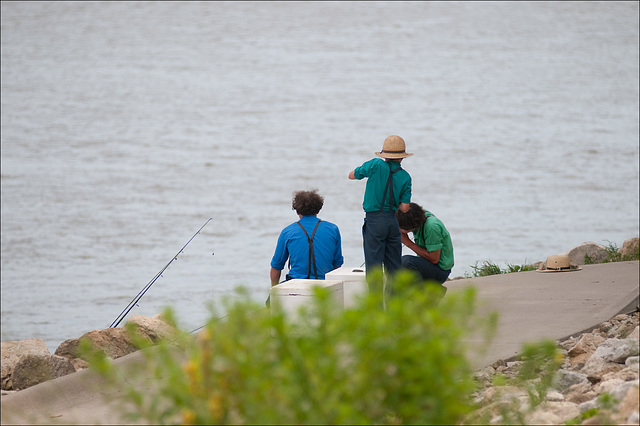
(126, 125)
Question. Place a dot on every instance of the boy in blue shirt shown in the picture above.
(388, 189)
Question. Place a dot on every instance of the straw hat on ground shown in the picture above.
(558, 263)
(393, 148)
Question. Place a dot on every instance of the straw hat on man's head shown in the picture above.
(393, 148)
(558, 263)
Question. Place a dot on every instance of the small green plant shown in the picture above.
(364, 365)
(613, 255)
(591, 412)
(518, 268)
(607, 401)
(606, 404)
(488, 268)
(485, 269)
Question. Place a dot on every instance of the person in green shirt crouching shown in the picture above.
(432, 244)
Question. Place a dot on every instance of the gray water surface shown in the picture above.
(126, 125)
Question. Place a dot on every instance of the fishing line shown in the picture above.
(135, 300)
(203, 326)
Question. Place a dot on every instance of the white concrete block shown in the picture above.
(290, 295)
(355, 284)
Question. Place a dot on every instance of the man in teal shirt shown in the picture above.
(388, 189)
(432, 244)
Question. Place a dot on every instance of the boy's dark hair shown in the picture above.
(307, 202)
(414, 218)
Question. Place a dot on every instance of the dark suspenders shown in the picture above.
(312, 256)
(389, 186)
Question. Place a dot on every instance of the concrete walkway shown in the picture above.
(531, 306)
(554, 305)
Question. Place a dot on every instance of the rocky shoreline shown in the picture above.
(596, 364)
(597, 381)
(26, 363)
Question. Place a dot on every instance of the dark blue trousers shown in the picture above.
(426, 269)
(381, 242)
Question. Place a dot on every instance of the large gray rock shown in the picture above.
(114, 342)
(155, 328)
(61, 366)
(597, 367)
(582, 392)
(12, 351)
(595, 252)
(28, 362)
(587, 344)
(553, 413)
(564, 379)
(633, 362)
(609, 357)
(617, 350)
(630, 248)
(629, 406)
(32, 369)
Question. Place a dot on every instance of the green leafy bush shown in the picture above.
(406, 364)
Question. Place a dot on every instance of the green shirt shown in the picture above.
(434, 236)
(377, 172)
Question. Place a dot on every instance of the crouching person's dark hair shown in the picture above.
(414, 218)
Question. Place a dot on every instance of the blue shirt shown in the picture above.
(377, 172)
(293, 244)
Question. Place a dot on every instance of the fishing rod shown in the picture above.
(134, 302)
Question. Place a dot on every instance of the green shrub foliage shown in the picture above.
(406, 364)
